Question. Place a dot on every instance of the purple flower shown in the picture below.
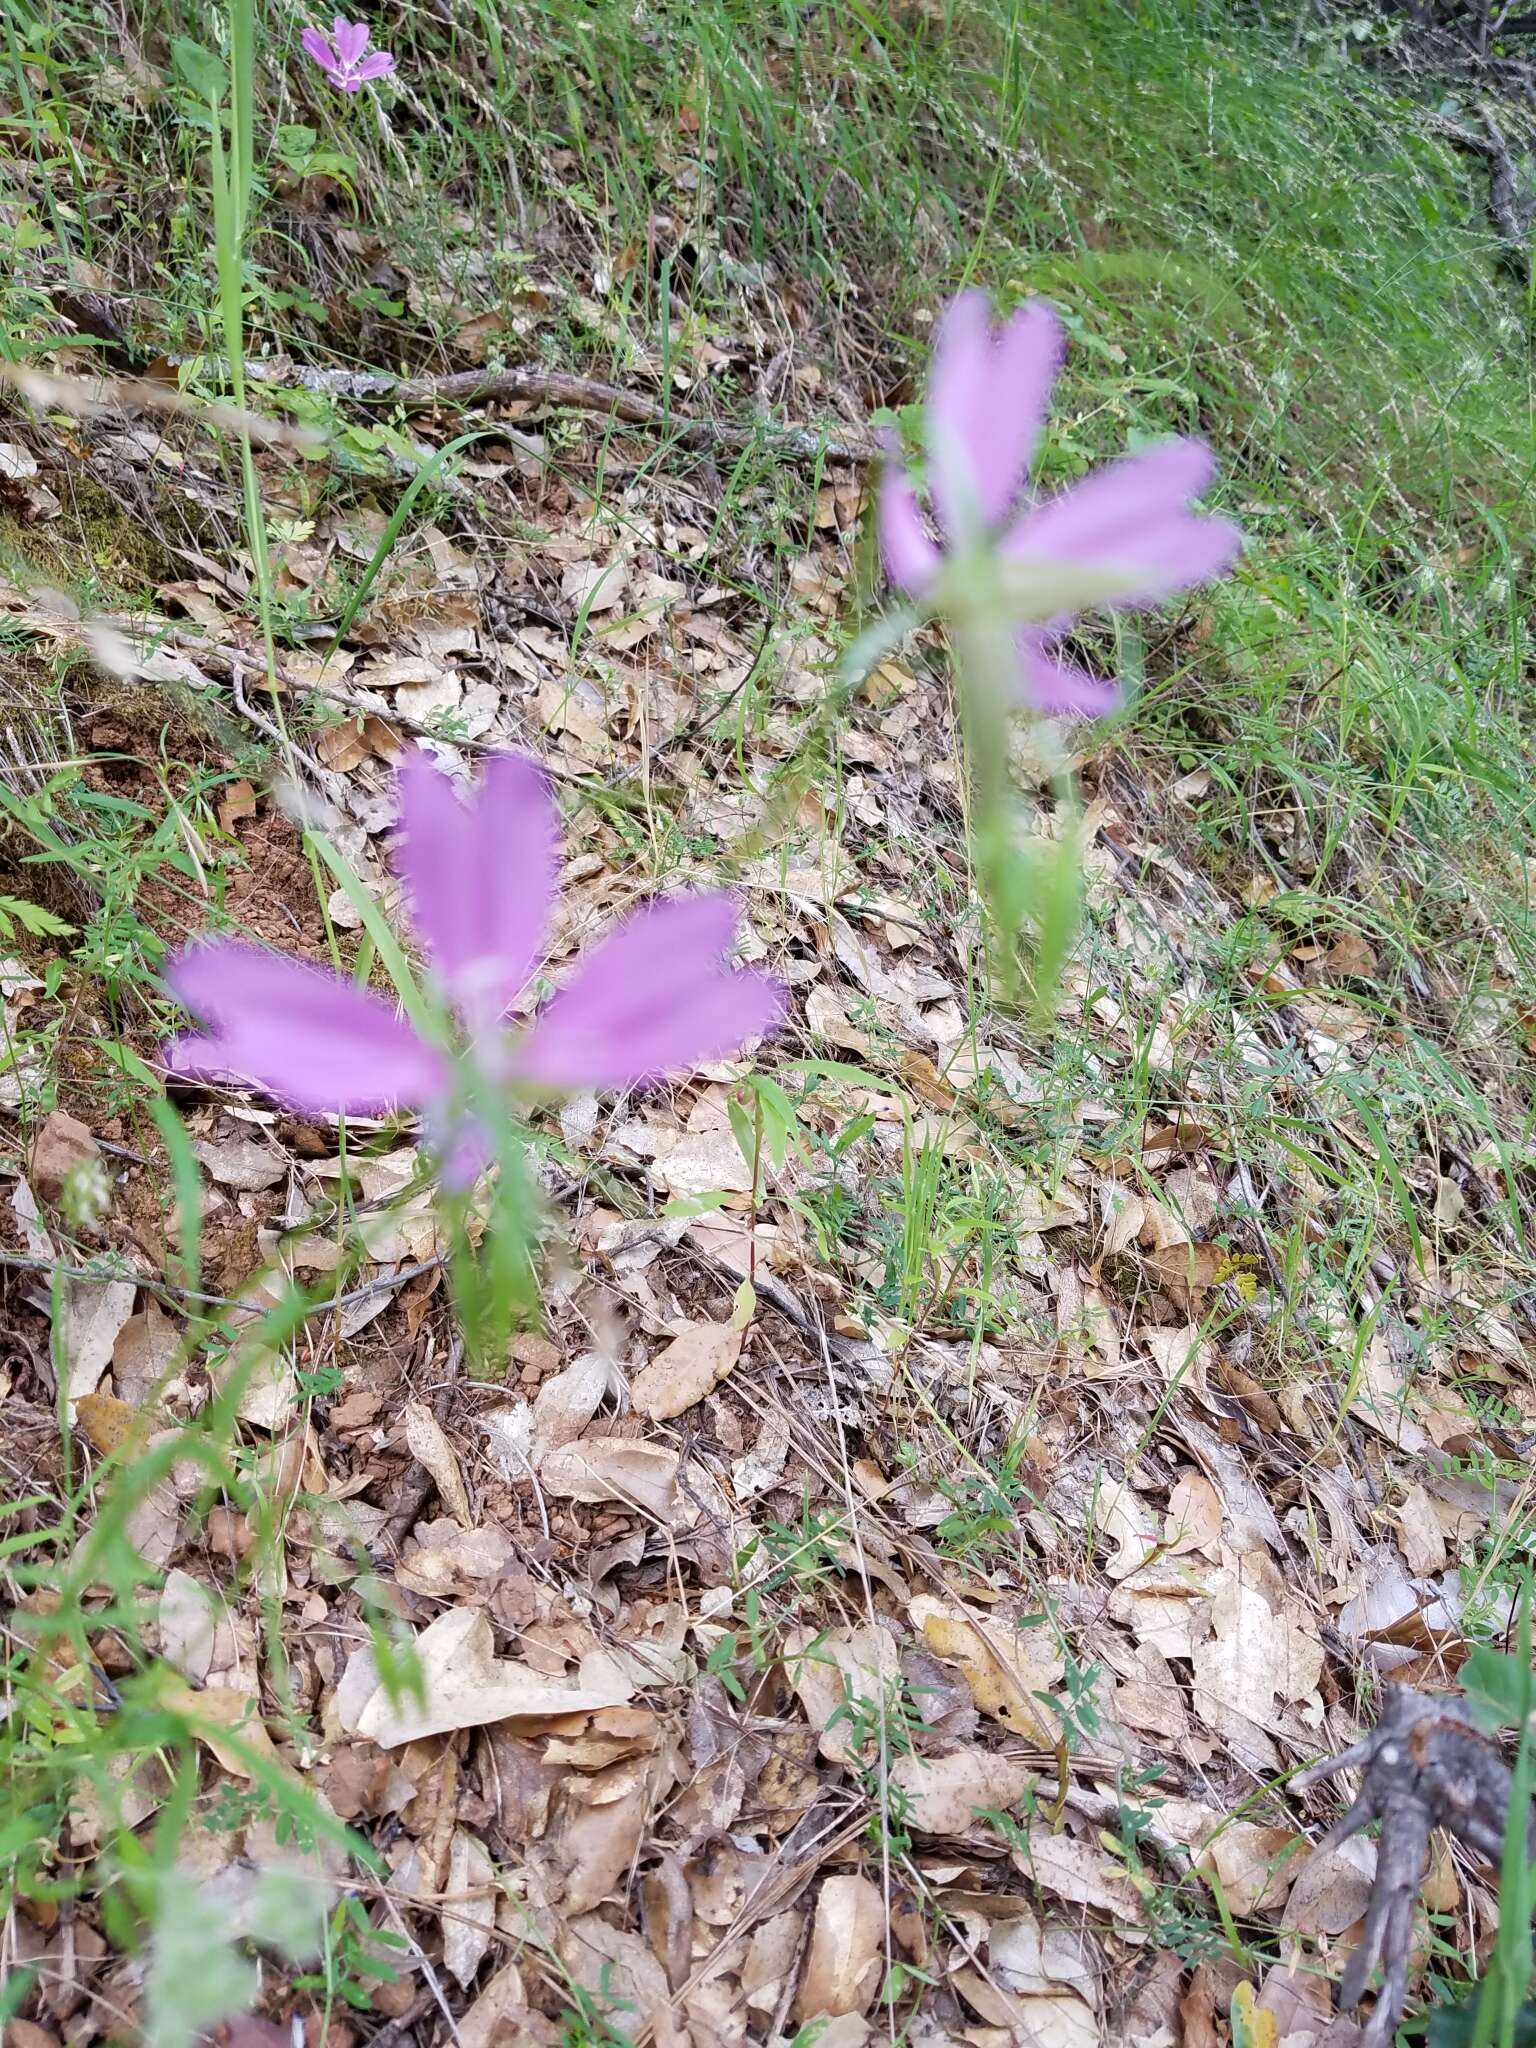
(480, 877)
(340, 54)
(987, 402)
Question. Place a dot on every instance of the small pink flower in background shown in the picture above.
(987, 401)
(651, 998)
(341, 57)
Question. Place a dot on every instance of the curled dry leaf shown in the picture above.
(1256, 1865)
(601, 1468)
(567, 1402)
(830, 1667)
(693, 1365)
(93, 1314)
(1264, 1649)
(469, 1906)
(465, 1686)
(1193, 1520)
(946, 1793)
(844, 1963)
(1006, 1669)
(430, 1447)
(1038, 1985)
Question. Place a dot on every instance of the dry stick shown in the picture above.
(91, 397)
(584, 394)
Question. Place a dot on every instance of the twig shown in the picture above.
(86, 398)
(584, 394)
(1426, 1764)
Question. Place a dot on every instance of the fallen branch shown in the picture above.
(1426, 1764)
(95, 397)
(584, 394)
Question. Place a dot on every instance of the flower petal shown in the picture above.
(1132, 516)
(651, 999)
(309, 1038)
(317, 44)
(1059, 688)
(480, 876)
(911, 558)
(986, 404)
(351, 40)
(377, 64)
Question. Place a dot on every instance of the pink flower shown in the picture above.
(480, 877)
(987, 402)
(340, 54)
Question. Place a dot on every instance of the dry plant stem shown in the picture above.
(583, 394)
(1426, 1764)
(94, 397)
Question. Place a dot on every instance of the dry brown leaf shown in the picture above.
(1420, 1533)
(1256, 1865)
(62, 1144)
(241, 1162)
(1082, 1873)
(567, 1402)
(1264, 1648)
(1006, 1669)
(1040, 1984)
(430, 1447)
(489, 2021)
(830, 1667)
(1332, 1888)
(144, 1356)
(466, 1686)
(692, 1365)
(221, 1712)
(188, 1625)
(846, 1957)
(1183, 1357)
(1193, 1520)
(599, 1468)
(1187, 1272)
(945, 1793)
(601, 1828)
(1351, 958)
(94, 1312)
(468, 1907)
(620, 1972)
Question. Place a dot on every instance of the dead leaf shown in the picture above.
(241, 1162)
(430, 1447)
(1006, 1669)
(830, 1667)
(847, 1953)
(62, 1144)
(1256, 1865)
(469, 1906)
(188, 1625)
(599, 1468)
(465, 1685)
(1081, 1873)
(1351, 958)
(94, 1312)
(691, 1366)
(1264, 1649)
(944, 1794)
(1193, 1520)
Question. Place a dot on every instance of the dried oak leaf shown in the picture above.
(1006, 1669)
(465, 1685)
